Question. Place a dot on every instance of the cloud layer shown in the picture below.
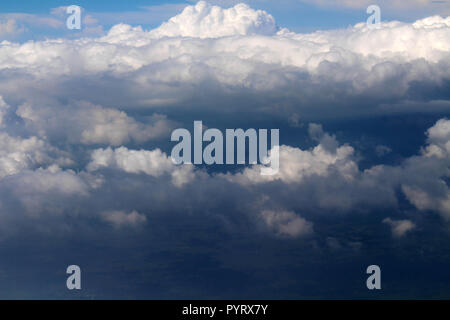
(278, 71)
(87, 120)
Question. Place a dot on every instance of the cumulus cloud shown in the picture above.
(86, 123)
(154, 163)
(439, 139)
(124, 88)
(40, 194)
(206, 21)
(239, 51)
(330, 177)
(297, 164)
(48, 180)
(425, 184)
(18, 154)
(399, 228)
(286, 223)
(84, 145)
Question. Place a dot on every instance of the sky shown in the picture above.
(42, 18)
(87, 177)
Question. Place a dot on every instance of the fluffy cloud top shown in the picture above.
(206, 21)
(153, 163)
(245, 56)
(297, 164)
(17, 154)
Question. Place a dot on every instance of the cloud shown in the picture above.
(92, 100)
(121, 219)
(3, 110)
(326, 182)
(34, 20)
(48, 181)
(18, 154)
(329, 177)
(439, 139)
(297, 164)
(84, 148)
(44, 195)
(154, 163)
(85, 123)
(286, 223)
(10, 28)
(26, 26)
(206, 21)
(426, 187)
(399, 228)
(239, 52)
(382, 150)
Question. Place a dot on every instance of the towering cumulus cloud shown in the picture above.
(206, 21)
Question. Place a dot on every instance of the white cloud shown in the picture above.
(116, 128)
(399, 228)
(439, 139)
(49, 180)
(122, 219)
(286, 223)
(425, 184)
(206, 21)
(154, 163)
(297, 164)
(329, 176)
(18, 154)
(92, 124)
(238, 51)
(76, 93)
(39, 193)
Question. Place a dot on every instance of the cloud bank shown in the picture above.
(86, 120)
(325, 72)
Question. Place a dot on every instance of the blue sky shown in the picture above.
(299, 16)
